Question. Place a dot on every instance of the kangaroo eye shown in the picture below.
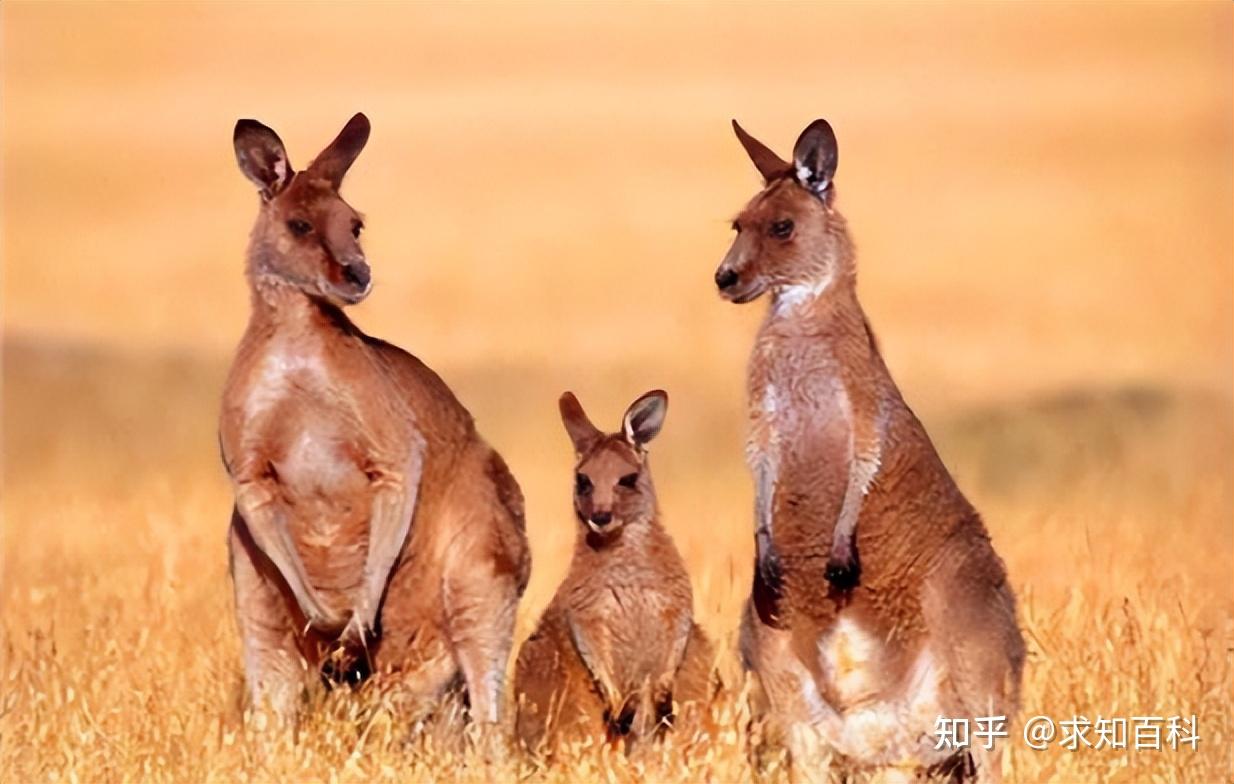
(582, 485)
(629, 480)
(299, 227)
(782, 229)
(356, 228)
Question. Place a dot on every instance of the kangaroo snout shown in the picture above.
(601, 518)
(737, 279)
(726, 278)
(358, 272)
(733, 289)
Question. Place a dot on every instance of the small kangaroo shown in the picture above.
(373, 529)
(617, 646)
(878, 602)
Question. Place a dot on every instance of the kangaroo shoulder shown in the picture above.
(399, 363)
(418, 384)
(667, 564)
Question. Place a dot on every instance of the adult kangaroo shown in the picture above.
(374, 530)
(878, 602)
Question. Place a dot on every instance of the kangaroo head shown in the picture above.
(612, 483)
(789, 236)
(305, 234)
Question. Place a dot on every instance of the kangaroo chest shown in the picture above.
(298, 427)
(309, 428)
(635, 621)
(799, 409)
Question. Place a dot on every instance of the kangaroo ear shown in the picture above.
(645, 417)
(262, 157)
(815, 156)
(770, 165)
(582, 433)
(337, 158)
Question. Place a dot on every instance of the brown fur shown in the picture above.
(374, 528)
(617, 647)
(861, 632)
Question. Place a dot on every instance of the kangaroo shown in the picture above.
(617, 646)
(374, 531)
(878, 602)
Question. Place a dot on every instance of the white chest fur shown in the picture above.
(281, 371)
(303, 427)
(788, 405)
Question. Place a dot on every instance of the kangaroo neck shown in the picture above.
(825, 309)
(280, 307)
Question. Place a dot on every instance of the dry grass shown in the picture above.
(1045, 255)
(1111, 508)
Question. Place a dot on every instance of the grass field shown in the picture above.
(1042, 201)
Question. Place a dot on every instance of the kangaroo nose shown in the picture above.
(358, 273)
(726, 278)
(602, 518)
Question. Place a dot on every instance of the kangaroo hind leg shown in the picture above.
(274, 667)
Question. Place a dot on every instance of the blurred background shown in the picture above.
(1040, 195)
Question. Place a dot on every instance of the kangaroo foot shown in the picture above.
(346, 665)
(619, 725)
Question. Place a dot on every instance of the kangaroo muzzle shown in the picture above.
(600, 519)
(736, 278)
(726, 278)
(359, 274)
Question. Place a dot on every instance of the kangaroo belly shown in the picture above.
(884, 707)
(639, 625)
(328, 500)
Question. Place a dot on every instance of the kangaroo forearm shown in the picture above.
(396, 489)
(846, 521)
(593, 663)
(268, 527)
(861, 474)
(764, 504)
(389, 525)
(677, 653)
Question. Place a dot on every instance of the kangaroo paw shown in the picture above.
(768, 589)
(664, 711)
(770, 572)
(844, 574)
(619, 725)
